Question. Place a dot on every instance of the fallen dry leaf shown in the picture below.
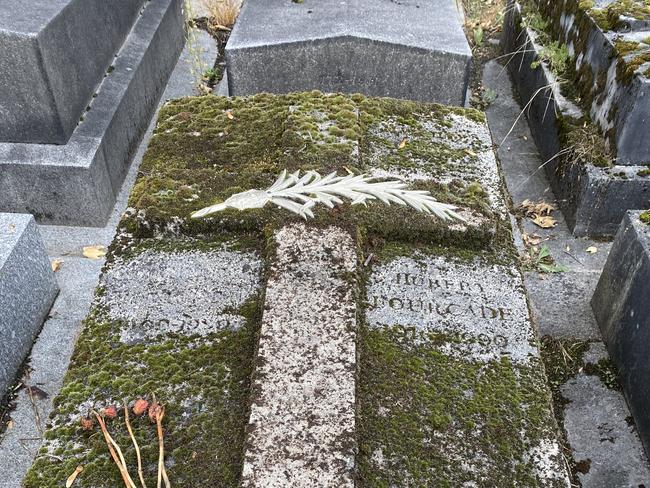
(73, 476)
(592, 249)
(229, 115)
(536, 208)
(94, 252)
(532, 239)
(10, 425)
(56, 265)
(471, 153)
(402, 144)
(545, 222)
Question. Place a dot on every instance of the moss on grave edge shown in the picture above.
(411, 397)
(208, 148)
(204, 383)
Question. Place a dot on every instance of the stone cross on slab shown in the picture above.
(303, 427)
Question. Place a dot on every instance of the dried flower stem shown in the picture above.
(117, 457)
(135, 444)
(162, 472)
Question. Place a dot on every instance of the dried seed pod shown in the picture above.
(154, 411)
(140, 406)
(87, 423)
(110, 412)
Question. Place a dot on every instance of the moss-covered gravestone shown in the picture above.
(371, 345)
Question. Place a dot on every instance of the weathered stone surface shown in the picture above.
(595, 422)
(159, 293)
(248, 141)
(78, 182)
(301, 430)
(593, 197)
(622, 310)
(351, 46)
(306, 427)
(452, 390)
(54, 55)
(27, 291)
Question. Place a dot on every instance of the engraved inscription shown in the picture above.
(475, 311)
(158, 293)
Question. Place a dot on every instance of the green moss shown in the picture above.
(644, 172)
(411, 392)
(645, 217)
(203, 382)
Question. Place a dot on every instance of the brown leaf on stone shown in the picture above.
(545, 222)
(533, 209)
(56, 265)
(87, 423)
(94, 252)
(141, 405)
(73, 476)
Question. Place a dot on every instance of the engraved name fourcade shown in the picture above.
(442, 306)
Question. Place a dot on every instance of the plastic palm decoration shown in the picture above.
(300, 194)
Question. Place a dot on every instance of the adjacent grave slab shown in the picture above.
(316, 399)
(610, 52)
(54, 54)
(27, 290)
(594, 189)
(77, 182)
(301, 429)
(412, 50)
(622, 310)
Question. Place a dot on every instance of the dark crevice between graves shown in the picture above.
(564, 360)
(214, 74)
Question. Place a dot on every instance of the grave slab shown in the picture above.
(620, 304)
(307, 369)
(27, 290)
(411, 50)
(76, 183)
(55, 53)
(593, 193)
(301, 428)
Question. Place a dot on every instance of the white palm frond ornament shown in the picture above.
(299, 194)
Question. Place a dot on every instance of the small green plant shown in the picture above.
(645, 217)
(556, 55)
(478, 36)
(540, 259)
(489, 96)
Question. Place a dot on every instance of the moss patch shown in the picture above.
(645, 217)
(208, 148)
